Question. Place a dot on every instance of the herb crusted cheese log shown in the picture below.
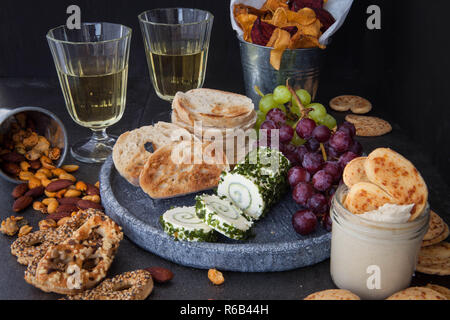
(257, 182)
(182, 223)
(223, 216)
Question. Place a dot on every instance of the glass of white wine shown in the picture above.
(92, 67)
(176, 45)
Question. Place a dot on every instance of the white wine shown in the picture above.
(95, 101)
(172, 73)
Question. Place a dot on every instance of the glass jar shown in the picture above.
(370, 258)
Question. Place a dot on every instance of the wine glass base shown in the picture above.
(93, 151)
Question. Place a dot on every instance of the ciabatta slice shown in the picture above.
(130, 153)
(167, 174)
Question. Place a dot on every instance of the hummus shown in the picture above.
(390, 213)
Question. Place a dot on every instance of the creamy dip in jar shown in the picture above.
(372, 256)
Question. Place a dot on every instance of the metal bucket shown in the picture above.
(47, 125)
(301, 66)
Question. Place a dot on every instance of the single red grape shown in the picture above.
(334, 169)
(340, 141)
(276, 115)
(300, 151)
(312, 162)
(322, 180)
(304, 222)
(318, 203)
(302, 192)
(286, 133)
(312, 144)
(346, 158)
(298, 174)
(327, 222)
(321, 133)
(305, 128)
(356, 148)
(348, 128)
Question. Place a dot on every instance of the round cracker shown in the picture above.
(366, 196)
(350, 102)
(435, 259)
(369, 126)
(417, 293)
(436, 226)
(439, 238)
(398, 177)
(442, 290)
(354, 172)
(333, 294)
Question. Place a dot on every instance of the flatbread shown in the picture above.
(444, 235)
(442, 290)
(369, 126)
(366, 196)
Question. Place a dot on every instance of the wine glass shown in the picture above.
(92, 67)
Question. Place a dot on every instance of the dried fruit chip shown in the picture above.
(245, 21)
(279, 41)
(273, 5)
(296, 5)
(261, 32)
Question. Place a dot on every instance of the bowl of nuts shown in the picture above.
(31, 138)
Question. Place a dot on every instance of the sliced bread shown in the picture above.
(167, 174)
(130, 153)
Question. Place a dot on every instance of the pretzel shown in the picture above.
(132, 285)
(35, 244)
(80, 262)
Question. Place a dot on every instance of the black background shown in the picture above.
(402, 68)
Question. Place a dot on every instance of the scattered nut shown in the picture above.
(70, 167)
(47, 162)
(80, 185)
(95, 198)
(67, 176)
(52, 207)
(9, 226)
(72, 193)
(215, 276)
(47, 224)
(24, 166)
(39, 206)
(58, 185)
(24, 230)
(63, 221)
(54, 153)
(160, 275)
(47, 201)
(25, 175)
(19, 190)
(45, 172)
(86, 204)
(21, 203)
(35, 192)
(34, 183)
(59, 216)
(11, 168)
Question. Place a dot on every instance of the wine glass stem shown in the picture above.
(99, 135)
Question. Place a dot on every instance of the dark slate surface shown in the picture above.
(190, 283)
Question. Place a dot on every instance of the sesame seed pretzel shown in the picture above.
(83, 260)
(132, 285)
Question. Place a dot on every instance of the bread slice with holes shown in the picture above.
(182, 167)
(213, 107)
(130, 153)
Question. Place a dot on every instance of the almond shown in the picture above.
(11, 168)
(159, 274)
(35, 164)
(58, 185)
(72, 200)
(19, 190)
(58, 216)
(92, 190)
(86, 204)
(22, 203)
(13, 157)
(66, 208)
(35, 192)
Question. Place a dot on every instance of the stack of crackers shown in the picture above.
(218, 116)
(434, 256)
